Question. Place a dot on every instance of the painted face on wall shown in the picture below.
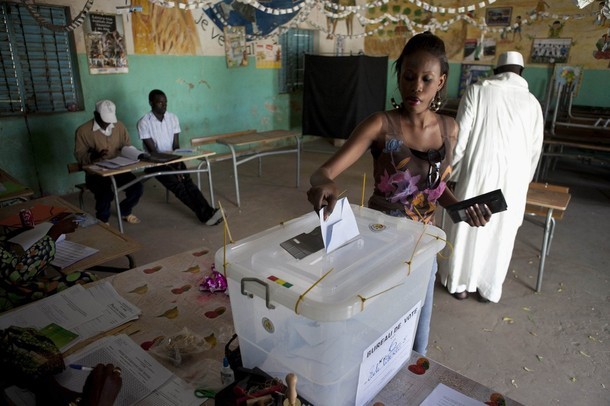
(419, 80)
(159, 105)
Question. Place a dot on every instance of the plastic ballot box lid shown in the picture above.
(334, 286)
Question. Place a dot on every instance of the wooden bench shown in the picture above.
(585, 150)
(247, 145)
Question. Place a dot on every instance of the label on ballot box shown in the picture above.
(343, 321)
(382, 360)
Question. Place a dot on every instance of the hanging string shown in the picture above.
(74, 24)
(336, 11)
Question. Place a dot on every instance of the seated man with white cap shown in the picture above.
(99, 139)
(498, 147)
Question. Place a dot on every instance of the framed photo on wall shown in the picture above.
(550, 50)
(498, 16)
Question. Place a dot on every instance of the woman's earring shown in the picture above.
(436, 103)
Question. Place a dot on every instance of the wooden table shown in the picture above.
(167, 292)
(14, 189)
(260, 140)
(110, 243)
(549, 200)
(98, 170)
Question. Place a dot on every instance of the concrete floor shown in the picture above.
(548, 348)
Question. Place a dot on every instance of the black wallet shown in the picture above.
(494, 200)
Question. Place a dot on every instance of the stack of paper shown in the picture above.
(129, 155)
(145, 380)
(68, 252)
(84, 312)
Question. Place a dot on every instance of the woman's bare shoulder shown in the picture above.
(451, 126)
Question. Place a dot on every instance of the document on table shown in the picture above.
(116, 311)
(69, 252)
(141, 373)
(443, 395)
(145, 380)
(87, 312)
(340, 227)
(68, 308)
(29, 237)
(129, 155)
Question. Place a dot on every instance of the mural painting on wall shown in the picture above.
(334, 6)
(256, 22)
(159, 30)
(483, 49)
(537, 29)
(235, 47)
(105, 44)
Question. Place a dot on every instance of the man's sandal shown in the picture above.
(131, 219)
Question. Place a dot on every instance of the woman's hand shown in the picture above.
(323, 195)
(64, 226)
(102, 386)
(478, 215)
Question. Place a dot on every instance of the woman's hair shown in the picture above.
(426, 41)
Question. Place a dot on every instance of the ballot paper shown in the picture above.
(340, 227)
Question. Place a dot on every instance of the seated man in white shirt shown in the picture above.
(160, 130)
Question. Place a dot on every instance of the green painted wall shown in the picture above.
(593, 90)
(207, 97)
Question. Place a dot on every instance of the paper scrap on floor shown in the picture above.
(340, 227)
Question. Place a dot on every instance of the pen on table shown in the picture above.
(81, 367)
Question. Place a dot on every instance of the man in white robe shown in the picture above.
(499, 144)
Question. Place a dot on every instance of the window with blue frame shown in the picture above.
(38, 67)
(295, 44)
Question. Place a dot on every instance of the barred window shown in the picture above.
(295, 44)
(38, 67)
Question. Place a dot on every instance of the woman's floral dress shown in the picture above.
(409, 182)
(22, 276)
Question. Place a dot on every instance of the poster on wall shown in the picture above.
(570, 76)
(235, 46)
(550, 50)
(105, 44)
(471, 74)
(268, 56)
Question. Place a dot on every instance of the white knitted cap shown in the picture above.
(510, 58)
